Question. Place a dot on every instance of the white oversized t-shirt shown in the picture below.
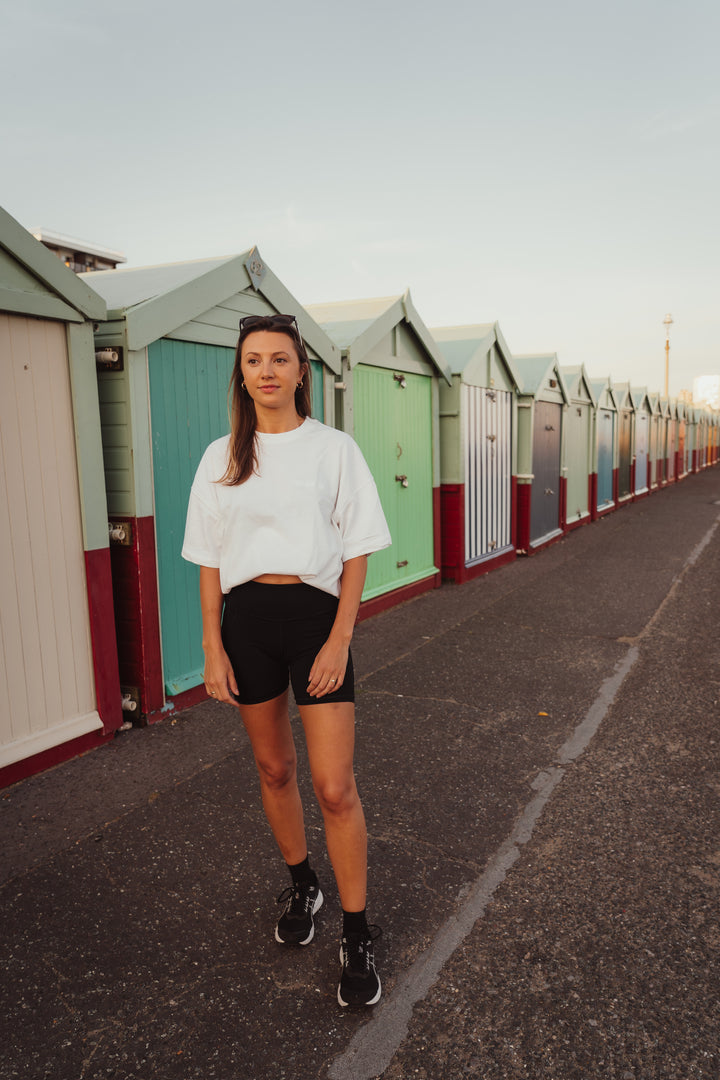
(310, 506)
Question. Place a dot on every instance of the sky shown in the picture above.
(553, 166)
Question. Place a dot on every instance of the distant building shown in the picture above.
(706, 391)
(685, 396)
(77, 254)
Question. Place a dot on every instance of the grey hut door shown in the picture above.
(545, 497)
(641, 452)
(487, 422)
(605, 458)
(624, 451)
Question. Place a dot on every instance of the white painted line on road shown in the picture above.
(371, 1049)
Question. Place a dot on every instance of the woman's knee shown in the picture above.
(337, 795)
(277, 774)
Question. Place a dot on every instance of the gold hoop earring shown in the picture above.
(299, 385)
(244, 387)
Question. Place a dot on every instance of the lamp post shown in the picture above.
(667, 322)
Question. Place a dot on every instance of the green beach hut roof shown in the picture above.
(535, 368)
(357, 326)
(154, 301)
(466, 347)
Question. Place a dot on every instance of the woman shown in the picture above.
(283, 514)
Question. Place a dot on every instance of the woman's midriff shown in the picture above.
(278, 579)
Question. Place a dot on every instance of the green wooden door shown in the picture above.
(188, 407)
(393, 427)
(577, 455)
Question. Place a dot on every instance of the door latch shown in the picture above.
(403, 480)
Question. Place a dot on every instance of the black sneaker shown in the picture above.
(359, 982)
(295, 926)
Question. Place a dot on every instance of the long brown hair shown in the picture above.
(242, 452)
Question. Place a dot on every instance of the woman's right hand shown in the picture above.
(219, 677)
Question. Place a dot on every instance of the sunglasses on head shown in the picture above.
(249, 321)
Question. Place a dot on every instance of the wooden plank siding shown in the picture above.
(46, 668)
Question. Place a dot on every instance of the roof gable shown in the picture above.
(35, 282)
(579, 384)
(358, 326)
(466, 350)
(623, 396)
(604, 393)
(154, 301)
(536, 370)
(641, 399)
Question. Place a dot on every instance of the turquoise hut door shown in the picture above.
(605, 437)
(188, 410)
(393, 428)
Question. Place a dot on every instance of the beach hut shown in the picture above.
(642, 409)
(682, 451)
(59, 683)
(169, 339)
(663, 425)
(656, 430)
(477, 425)
(541, 484)
(626, 409)
(579, 446)
(671, 442)
(604, 469)
(389, 402)
(699, 452)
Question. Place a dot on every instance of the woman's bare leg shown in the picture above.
(268, 726)
(330, 736)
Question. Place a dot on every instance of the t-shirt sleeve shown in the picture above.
(203, 533)
(358, 514)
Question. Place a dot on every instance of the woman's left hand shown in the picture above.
(328, 672)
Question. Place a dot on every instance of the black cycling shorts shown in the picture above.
(272, 634)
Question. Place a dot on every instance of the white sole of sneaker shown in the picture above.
(316, 907)
(373, 1001)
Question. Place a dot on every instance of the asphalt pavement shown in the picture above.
(538, 756)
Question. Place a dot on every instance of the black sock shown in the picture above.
(354, 922)
(302, 872)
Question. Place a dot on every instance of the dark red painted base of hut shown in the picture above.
(452, 515)
(137, 622)
(105, 669)
(55, 755)
(522, 516)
